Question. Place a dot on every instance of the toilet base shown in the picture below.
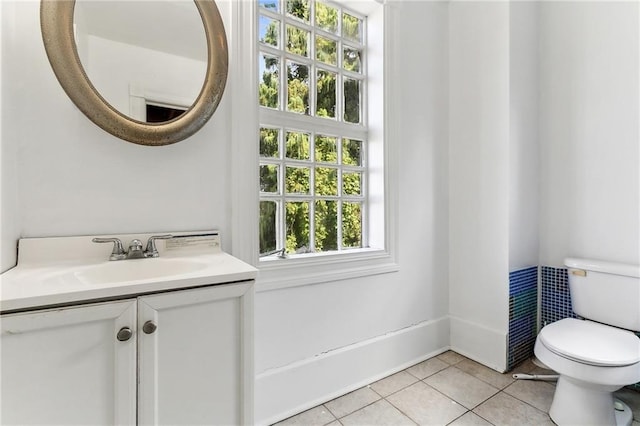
(578, 403)
(624, 417)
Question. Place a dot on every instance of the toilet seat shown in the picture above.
(591, 343)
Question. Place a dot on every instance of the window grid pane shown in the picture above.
(269, 4)
(268, 226)
(298, 9)
(297, 222)
(326, 149)
(269, 143)
(326, 225)
(326, 50)
(269, 178)
(352, 100)
(297, 146)
(326, 181)
(351, 59)
(297, 41)
(297, 88)
(269, 85)
(269, 31)
(326, 94)
(352, 225)
(297, 180)
(326, 17)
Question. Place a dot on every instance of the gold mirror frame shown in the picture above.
(56, 23)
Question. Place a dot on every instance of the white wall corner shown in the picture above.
(10, 220)
(482, 344)
(244, 132)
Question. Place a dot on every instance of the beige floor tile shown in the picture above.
(470, 419)
(351, 402)
(503, 409)
(451, 357)
(393, 383)
(335, 423)
(316, 416)
(427, 368)
(486, 374)
(380, 413)
(533, 392)
(525, 367)
(461, 387)
(425, 405)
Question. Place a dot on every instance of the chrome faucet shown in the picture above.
(135, 247)
(151, 250)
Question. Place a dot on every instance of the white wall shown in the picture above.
(478, 179)
(524, 164)
(65, 176)
(589, 131)
(8, 171)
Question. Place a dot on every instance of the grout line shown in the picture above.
(521, 400)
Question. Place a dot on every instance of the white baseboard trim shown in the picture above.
(482, 344)
(288, 390)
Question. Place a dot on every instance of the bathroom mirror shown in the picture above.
(67, 38)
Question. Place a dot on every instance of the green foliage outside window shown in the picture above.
(306, 166)
(297, 181)
(299, 9)
(326, 17)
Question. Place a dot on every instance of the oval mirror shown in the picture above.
(183, 101)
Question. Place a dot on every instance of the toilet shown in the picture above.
(599, 354)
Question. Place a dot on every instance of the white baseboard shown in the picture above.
(482, 344)
(285, 391)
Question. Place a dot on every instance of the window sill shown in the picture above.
(276, 274)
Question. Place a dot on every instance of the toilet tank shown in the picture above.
(605, 292)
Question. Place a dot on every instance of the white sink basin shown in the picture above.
(137, 270)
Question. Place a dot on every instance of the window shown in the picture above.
(314, 141)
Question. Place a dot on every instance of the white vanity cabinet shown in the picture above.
(65, 366)
(175, 357)
(196, 368)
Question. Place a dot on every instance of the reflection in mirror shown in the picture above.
(147, 59)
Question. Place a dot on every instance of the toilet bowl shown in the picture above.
(594, 359)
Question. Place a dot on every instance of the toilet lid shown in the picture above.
(591, 342)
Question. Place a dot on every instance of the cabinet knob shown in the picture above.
(124, 334)
(149, 327)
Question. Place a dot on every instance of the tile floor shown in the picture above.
(448, 389)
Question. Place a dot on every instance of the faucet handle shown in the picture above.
(151, 250)
(118, 252)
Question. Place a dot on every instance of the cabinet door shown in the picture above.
(196, 367)
(66, 366)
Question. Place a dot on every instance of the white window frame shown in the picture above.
(380, 256)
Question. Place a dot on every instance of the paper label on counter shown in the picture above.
(199, 241)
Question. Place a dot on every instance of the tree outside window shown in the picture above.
(313, 171)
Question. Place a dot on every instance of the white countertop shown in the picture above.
(55, 271)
